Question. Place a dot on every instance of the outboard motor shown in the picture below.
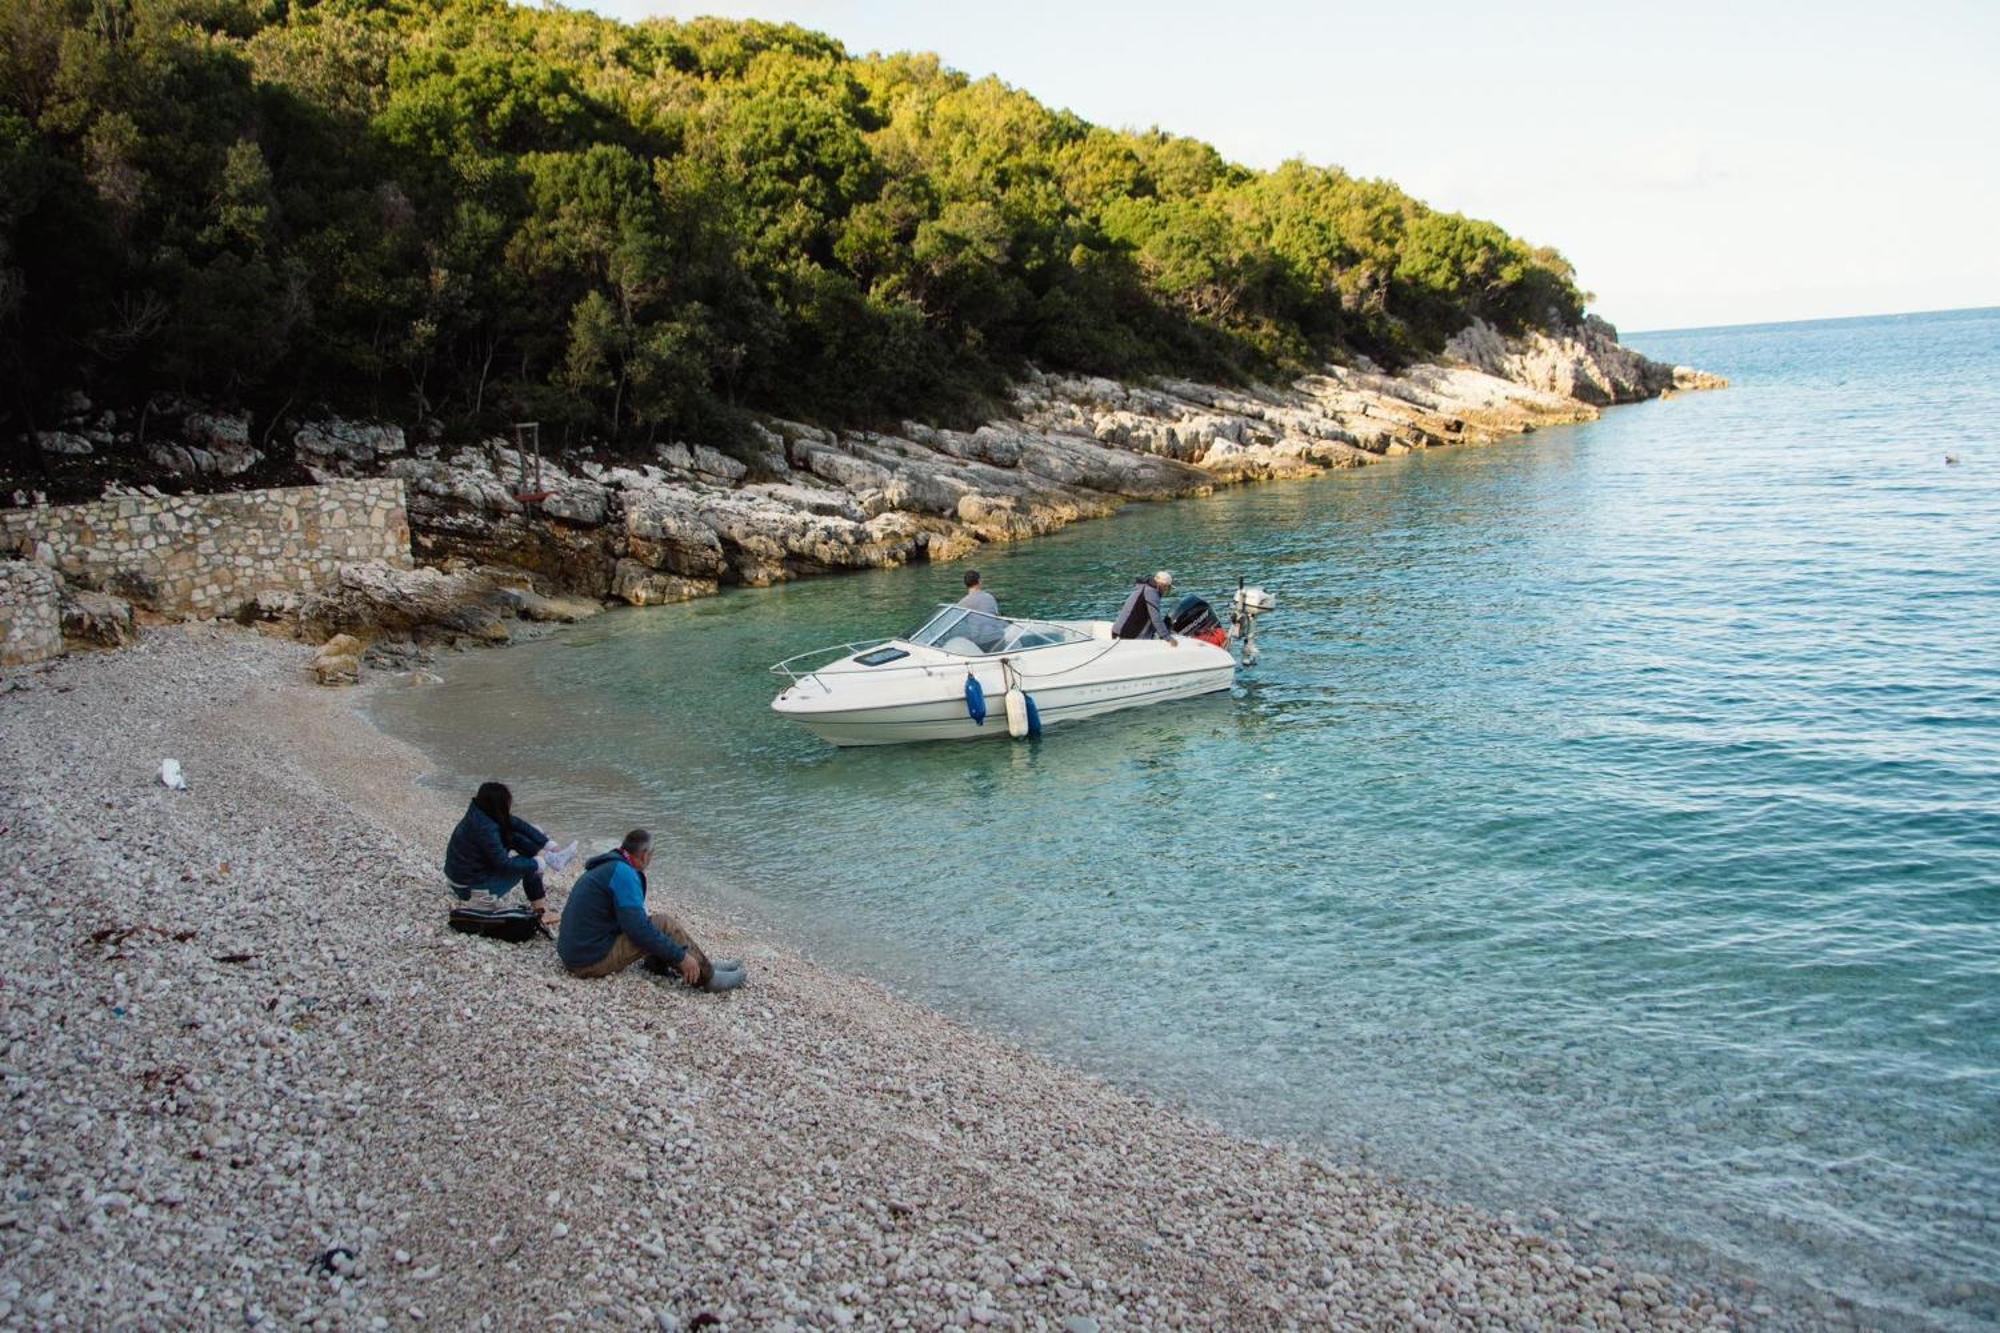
(1244, 608)
(1197, 620)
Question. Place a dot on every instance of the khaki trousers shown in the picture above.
(624, 952)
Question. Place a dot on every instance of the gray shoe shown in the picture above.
(726, 964)
(722, 980)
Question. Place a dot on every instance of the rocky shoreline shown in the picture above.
(506, 533)
(810, 500)
(252, 1077)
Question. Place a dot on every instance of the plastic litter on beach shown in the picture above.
(171, 775)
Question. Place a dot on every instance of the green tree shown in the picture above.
(458, 210)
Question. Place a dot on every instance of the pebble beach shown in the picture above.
(251, 1078)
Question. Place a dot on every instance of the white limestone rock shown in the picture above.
(373, 597)
(1586, 363)
(811, 499)
(338, 661)
(560, 609)
(217, 431)
(336, 441)
(712, 462)
(96, 619)
(63, 443)
(641, 586)
(666, 529)
(195, 463)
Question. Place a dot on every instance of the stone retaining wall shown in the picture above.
(206, 555)
(30, 613)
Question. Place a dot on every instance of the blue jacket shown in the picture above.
(478, 858)
(609, 900)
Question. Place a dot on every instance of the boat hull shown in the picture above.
(927, 703)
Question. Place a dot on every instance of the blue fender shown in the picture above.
(975, 699)
(1034, 717)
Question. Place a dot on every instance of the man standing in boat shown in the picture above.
(1140, 617)
(976, 597)
(988, 634)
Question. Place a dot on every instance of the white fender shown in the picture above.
(1017, 711)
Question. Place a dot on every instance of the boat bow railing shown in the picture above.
(824, 656)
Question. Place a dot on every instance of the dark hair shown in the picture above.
(636, 842)
(972, 578)
(498, 802)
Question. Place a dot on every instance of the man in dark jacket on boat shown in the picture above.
(1140, 617)
(493, 849)
(606, 928)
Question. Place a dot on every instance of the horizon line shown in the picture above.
(1810, 319)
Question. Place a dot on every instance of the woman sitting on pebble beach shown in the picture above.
(493, 849)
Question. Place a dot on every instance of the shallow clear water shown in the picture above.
(1613, 824)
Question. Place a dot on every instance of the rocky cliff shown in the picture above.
(805, 500)
(1586, 363)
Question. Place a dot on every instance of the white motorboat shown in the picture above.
(1035, 673)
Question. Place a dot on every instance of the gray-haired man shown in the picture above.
(606, 928)
(1140, 617)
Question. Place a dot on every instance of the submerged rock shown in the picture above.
(560, 609)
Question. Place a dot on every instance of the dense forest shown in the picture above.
(462, 212)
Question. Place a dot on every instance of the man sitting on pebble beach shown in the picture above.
(606, 928)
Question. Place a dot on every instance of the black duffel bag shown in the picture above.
(516, 925)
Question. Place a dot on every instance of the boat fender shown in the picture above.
(975, 699)
(1017, 711)
(1034, 716)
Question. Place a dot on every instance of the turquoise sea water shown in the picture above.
(1612, 826)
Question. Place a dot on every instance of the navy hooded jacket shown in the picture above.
(609, 900)
(479, 859)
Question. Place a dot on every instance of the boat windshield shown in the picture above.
(967, 633)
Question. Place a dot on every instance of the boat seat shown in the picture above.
(1101, 629)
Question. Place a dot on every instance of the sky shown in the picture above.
(1700, 163)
